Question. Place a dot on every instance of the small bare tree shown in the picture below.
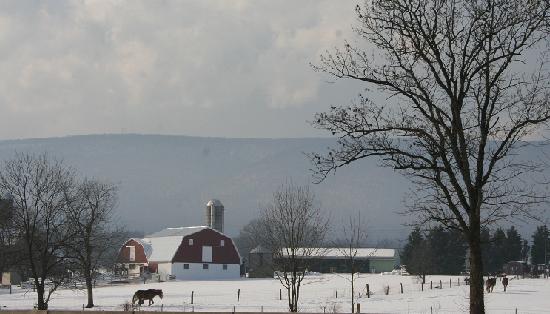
(464, 83)
(90, 217)
(294, 228)
(354, 235)
(38, 188)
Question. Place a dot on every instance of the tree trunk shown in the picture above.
(476, 272)
(89, 287)
(288, 291)
(352, 292)
(42, 305)
(294, 298)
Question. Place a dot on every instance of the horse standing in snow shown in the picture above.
(505, 283)
(490, 284)
(148, 294)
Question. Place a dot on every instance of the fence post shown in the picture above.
(440, 284)
(431, 285)
(192, 295)
(336, 294)
(280, 295)
(422, 284)
(238, 295)
(458, 281)
(358, 308)
(368, 291)
(10, 288)
(450, 282)
(401, 284)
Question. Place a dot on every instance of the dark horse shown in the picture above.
(505, 283)
(490, 284)
(148, 294)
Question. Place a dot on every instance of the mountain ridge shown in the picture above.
(166, 180)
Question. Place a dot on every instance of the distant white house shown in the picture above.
(184, 253)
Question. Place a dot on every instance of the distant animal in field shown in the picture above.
(148, 294)
(490, 284)
(505, 283)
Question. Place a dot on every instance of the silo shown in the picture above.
(214, 214)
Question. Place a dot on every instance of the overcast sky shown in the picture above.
(209, 68)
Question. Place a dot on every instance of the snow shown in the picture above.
(335, 253)
(317, 295)
(179, 231)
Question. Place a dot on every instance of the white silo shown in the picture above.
(214, 214)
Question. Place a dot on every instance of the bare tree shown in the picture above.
(250, 238)
(354, 235)
(465, 82)
(37, 186)
(90, 216)
(294, 229)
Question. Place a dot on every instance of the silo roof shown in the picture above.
(214, 202)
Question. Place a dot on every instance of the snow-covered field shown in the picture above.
(317, 295)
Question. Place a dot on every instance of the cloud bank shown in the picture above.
(209, 68)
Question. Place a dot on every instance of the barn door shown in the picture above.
(207, 254)
(132, 255)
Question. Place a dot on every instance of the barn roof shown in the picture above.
(165, 243)
(147, 249)
(341, 253)
(176, 232)
(259, 249)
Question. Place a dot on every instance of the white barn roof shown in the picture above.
(342, 253)
(176, 232)
(165, 243)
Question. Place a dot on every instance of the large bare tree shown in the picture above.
(37, 186)
(460, 85)
(90, 217)
(294, 229)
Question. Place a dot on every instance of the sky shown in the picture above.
(204, 68)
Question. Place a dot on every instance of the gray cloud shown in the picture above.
(212, 68)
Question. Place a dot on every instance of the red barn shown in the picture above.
(185, 253)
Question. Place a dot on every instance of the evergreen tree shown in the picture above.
(456, 253)
(416, 254)
(540, 242)
(448, 251)
(441, 251)
(485, 240)
(437, 240)
(497, 251)
(513, 245)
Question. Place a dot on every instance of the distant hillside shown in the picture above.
(165, 181)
